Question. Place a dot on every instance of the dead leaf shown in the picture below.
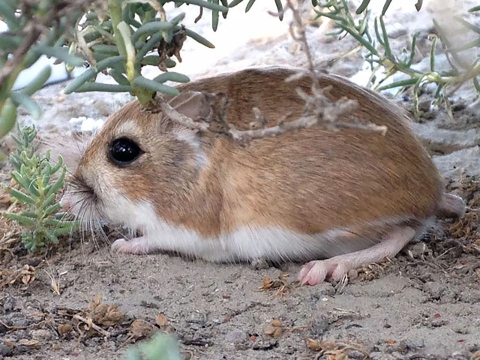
(28, 343)
(28, 274)
(103, 314)
(276, 323)
(275, 329)
(141, 329)
(64, 329)
(161, 319)
(313, 345)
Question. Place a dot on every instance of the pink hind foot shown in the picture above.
(316, 272)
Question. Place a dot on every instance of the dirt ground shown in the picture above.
(82, 302)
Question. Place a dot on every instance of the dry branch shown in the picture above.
(319, 109)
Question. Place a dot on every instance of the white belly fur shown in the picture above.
(243, 244)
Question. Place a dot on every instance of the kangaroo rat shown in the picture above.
(335, 200)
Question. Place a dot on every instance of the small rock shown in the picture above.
(318, 327)
(434, 289)
(236, 336)
(381, 356)
(355, 354)
(470, 296)
(19, 320)
(9, 304)
(41, 334)
(5, 350)
(259, 264)
(458, 355)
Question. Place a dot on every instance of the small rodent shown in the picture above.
(333, 199)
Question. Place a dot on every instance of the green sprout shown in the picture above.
(37, 183)
(161, 347)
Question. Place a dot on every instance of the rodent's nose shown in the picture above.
(66, 202)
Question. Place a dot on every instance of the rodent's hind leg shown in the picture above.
(137, 246)
(315, 272)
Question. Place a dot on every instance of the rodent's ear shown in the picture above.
(193, 104)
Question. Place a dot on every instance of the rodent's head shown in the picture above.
(139, 164)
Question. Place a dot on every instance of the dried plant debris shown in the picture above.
(369, 272)
(333, 350)
(274, 329)
(24, 275)
(465, 230)
(281, 286)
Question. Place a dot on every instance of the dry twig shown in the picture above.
(90, 323)
(319, 109)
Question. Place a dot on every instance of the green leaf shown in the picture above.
(57, 185)
(63, 231)
(8, 14)
(178, 19)
(80, 80)
(111, 50)
(53, 209)
(279, 5)
(432, 52)
(154, 86)
(362, 6)
(215, 16)
(20, 179)
(30, 214)
(57, 166)
(172, 76)
(249, 5)
(397, 84)
(50, 235)
(207, 5)
(27, 103)
(119, 77)
(151, 28)
(8, 42)
(467, 24)
(60, 53)
(90, 73)
(22, 220)
(90, 87)
(38, 82)
(58, 223)
(199, 38)
(148, 46)
(234, 3)
(48, 201)
(8, 117)
(474, 9)
(385, 6)
(26, 199)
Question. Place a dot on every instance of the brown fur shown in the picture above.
(309, 182)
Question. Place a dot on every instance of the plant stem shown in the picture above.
(115, 9)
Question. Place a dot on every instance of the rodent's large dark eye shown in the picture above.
(123, 151)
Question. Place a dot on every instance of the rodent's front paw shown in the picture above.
(138, 246)
(120, 246)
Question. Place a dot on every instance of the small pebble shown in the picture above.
(41, 334)
(9, 304)
(236, 336)
(5, 350)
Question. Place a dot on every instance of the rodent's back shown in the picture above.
(315, 180)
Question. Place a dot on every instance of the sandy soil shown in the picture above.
(424, 304)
